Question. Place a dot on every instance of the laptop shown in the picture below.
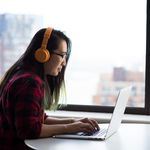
(106, 130)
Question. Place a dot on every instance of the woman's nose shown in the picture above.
(64, 62)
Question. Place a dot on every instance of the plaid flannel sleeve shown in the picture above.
(28, 108)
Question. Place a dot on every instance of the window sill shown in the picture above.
(100, 117)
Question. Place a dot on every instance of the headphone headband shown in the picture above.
(47, 35)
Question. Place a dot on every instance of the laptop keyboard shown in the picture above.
(97, 133)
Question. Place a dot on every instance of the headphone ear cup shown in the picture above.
(42, 55)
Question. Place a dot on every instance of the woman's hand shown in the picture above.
(83, 125)
(93, 122)
(79, 127)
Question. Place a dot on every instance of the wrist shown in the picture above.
(72, 120)
(66, 128)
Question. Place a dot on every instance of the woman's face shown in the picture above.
(57, 60)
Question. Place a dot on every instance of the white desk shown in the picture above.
(128, 137)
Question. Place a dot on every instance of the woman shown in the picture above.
(33, 83)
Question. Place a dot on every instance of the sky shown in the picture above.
(103, 33)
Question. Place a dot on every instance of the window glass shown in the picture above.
(108, 44)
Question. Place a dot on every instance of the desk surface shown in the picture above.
(128, 137)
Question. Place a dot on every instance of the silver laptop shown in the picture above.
(106, 130)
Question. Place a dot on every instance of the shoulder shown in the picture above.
(26, 79)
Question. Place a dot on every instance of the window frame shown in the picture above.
(129, 110)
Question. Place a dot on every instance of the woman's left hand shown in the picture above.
(93, 122)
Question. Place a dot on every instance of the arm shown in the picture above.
(50, 130)
(54, 126)
(52, 120)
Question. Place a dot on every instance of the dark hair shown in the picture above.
(54, 85)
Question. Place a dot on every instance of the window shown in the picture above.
(109, 48)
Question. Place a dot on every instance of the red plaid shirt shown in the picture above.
(21, 111)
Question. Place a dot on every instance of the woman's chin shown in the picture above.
(55, 73)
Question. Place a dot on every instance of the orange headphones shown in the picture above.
(42, 54)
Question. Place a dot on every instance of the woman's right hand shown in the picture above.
(79, 127)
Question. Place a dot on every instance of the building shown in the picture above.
(16, 32)
(110, 84)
